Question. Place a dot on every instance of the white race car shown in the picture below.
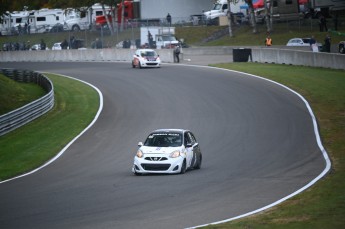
(167, 151)
(146, 58)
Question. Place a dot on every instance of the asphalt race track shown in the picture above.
(257, 140)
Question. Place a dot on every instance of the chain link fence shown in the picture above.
(129, 36)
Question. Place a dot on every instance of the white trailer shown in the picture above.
(161, 37)
(12, 21)
(45, 20)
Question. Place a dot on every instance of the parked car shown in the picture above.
(342, 47)
(36, 47)
(167, 151)
(299, 42)
(146, 58)
(302, 42)
(57, 46)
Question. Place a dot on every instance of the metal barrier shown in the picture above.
(33, 110)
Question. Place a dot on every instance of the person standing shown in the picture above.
(327, 45)
(169, 19)
(268, 41)
(313, 45)
(323, 23)
(43, 45)
(64, 44)
(177, 51)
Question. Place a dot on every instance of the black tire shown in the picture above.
(140, 65)
(137, 174)
(198, 162)
(341, 49)
(75, 28)
(133, 66)
(183, 168)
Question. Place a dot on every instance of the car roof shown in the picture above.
(146, 50)
(170, 130)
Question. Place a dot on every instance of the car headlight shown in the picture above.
(140, 154)
(175, 154)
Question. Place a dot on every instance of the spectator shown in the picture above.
(43, 45)
(327, 45)
(177, 51)
(323, 23)
(150, 38)
(169, 19)
(99, 44)
(268, 40)
(313, 45)
(64, 44)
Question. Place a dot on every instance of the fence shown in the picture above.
(33, 110)
(131, 31)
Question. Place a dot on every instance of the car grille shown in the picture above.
(155, 167)
(156, 158)
(148, 63)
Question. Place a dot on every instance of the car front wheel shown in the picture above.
(183, 168)
(198, 162)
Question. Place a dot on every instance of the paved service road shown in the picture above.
(256, 137)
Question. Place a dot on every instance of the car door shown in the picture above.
(196, 150)
(189, 149)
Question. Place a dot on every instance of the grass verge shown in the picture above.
(323, 205)
(35, 143)
(14, 94)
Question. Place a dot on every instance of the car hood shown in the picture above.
(159, 150)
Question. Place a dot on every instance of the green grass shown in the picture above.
(323, 205)
(14, 94)
(75, 107)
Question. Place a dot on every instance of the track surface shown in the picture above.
(257, 141)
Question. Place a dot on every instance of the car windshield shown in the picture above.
(164, 139)
(169, 38)
(148, 53)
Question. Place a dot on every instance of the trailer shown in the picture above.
(318, 8)
(158, 37)
(45, 20)
(13, 22)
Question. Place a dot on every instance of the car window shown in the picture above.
(164, 139)
(187, 139)
(193, 137)
(306, 40)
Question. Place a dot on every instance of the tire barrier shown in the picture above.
(21, 116)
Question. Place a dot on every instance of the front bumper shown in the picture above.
(150, 64)
(168, 165)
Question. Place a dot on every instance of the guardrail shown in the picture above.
(33, 110)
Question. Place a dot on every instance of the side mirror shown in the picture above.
(188, 145)
(140, 144)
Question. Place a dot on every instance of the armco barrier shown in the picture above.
(166, 55)
(298, 57)
(33, 110)
(279, 55)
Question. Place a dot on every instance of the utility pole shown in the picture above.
(229, 19)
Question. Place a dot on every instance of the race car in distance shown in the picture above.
(167, 151)
(146, 58)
